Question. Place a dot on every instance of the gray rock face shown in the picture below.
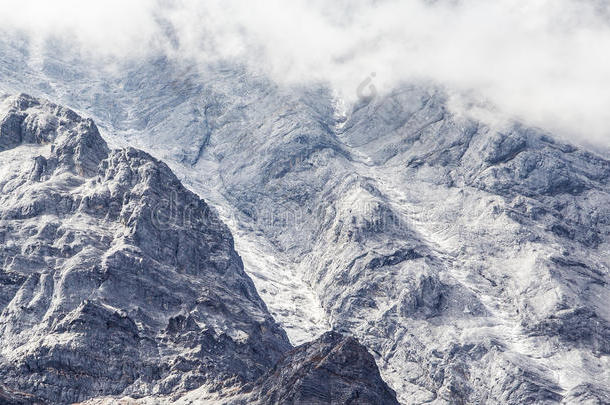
(77, 146)
(115, 279)
(333, 369)
(588, 394)
(9, 396)
(456, 252)
(472, 260)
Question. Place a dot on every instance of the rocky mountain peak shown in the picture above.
(115, 280)
(76, 141)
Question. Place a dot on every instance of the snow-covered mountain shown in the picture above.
(471, 260)
(107, 289)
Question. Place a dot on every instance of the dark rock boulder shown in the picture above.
(333, 369)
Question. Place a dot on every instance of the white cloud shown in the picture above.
(544, 61)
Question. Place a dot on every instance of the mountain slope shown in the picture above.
(116, 280)
(471, 259)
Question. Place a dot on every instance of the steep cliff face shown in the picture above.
(483, 250)
(116, 281)
(115, 278)
(471, 259)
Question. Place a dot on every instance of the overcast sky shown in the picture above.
(546, 62)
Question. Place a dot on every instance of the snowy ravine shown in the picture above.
(472, 261)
